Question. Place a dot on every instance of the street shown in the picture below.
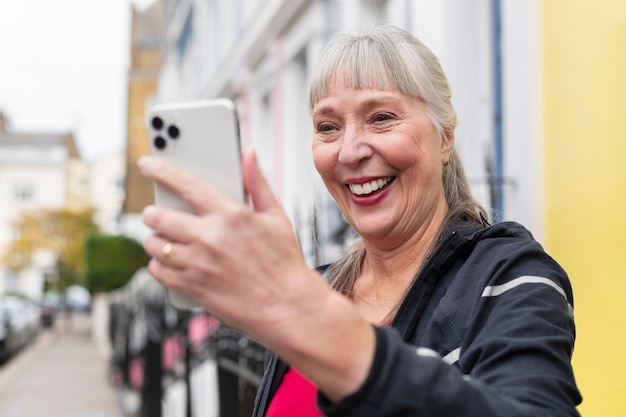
(61, 374)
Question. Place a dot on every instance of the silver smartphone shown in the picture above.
(203, 138)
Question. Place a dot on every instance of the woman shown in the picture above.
(431, 313)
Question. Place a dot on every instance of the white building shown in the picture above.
(261, 52)
(36, 171)
(107, 191)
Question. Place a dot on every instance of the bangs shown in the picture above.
(359, 66)
(386, 58)
(363, 62)
(355, 74)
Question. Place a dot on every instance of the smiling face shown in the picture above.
(381, 159)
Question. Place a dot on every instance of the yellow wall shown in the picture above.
(585, 145)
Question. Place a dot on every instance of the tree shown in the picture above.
(112, 260)
(62, 231)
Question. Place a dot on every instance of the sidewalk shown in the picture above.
(62, 374)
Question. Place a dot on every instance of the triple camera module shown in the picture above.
(172, 132)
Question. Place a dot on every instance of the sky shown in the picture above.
(63, 69)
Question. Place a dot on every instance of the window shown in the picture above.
(24, 192)
(185, 36)
(12, 282)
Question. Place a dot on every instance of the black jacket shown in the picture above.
(486, 330)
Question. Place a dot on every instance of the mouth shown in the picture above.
(370, 187)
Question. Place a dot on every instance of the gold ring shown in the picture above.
(166, 250)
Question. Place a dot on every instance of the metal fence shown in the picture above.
(185, 362)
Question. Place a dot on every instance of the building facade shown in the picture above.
(107, 177)
(37, 170)
(147, 43)
(260, 54)
(584, 120)
(538, 86)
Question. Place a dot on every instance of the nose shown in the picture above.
(354, 147)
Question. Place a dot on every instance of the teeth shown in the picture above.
(369, 187)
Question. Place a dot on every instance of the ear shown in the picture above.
(447, 146)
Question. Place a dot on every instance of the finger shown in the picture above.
(167, 252)
(200, 194)
(188, 281)
(256, 185)
(173, 225)
(166, 275)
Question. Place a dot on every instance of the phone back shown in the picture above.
(201, 137)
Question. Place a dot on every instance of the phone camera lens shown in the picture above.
(173, 131)
(159, 142)
(157, 123)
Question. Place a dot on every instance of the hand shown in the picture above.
(237, 261)
(243, 264)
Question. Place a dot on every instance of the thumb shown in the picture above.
(256, 184)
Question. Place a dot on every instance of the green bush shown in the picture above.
(111, 261)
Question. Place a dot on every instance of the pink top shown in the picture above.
(296, 396)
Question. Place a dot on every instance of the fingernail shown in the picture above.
(147, 212)
(143, 164)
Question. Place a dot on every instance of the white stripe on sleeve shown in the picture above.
(496, 290)
(452, 357)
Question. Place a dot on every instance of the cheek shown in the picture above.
(402, 151)
(324, 159)
(416, 146)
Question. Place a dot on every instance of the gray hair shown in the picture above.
(390, 58)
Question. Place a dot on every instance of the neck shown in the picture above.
(387, 273)
(386, 262)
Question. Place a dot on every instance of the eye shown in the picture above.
(381, 117)
(325, 127)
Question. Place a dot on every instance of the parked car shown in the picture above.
(77, 298)
(16, 328)
(47, 315)
(5, 342)
(32, 313)
(50, 306)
